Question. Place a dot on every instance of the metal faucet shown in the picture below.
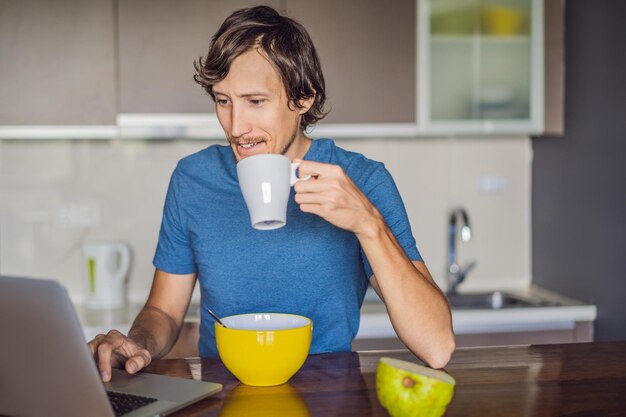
(456, 274)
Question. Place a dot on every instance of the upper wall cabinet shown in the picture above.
(367, 51)
(159, 40)
(57, 63)
(401, 68)
(481, 66)
(407, 68)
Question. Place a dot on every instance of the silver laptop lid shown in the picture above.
(43, 369)
(47, 369)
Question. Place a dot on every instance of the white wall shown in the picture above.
(54, 195)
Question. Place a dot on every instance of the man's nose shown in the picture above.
(240, 123)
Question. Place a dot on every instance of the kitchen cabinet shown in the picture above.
(481, 66)
(57, 61)
(421, 67)
(367, 51)
(363, 48)
(158, 43)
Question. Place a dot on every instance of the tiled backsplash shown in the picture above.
(54, 195)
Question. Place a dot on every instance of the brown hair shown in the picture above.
(283, 40)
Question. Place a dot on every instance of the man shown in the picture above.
(347, 226)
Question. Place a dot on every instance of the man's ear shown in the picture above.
(305, 104)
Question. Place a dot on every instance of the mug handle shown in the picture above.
(124, 252)
(294, 177)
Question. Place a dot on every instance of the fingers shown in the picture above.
(312, 185)
(330, 189)
(93, 344)
(318, 169)
(111, 342)
(138, 361)
(111, 349)
(313, 209)
(316, 203)
(331, 200)
(332, 195)
(321, 194)
(324, 177)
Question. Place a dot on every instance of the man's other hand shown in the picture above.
(332, 195)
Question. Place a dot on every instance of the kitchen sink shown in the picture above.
(494, 301)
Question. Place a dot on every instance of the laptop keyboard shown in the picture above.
(125, 403)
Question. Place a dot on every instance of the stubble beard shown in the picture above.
(291, 141)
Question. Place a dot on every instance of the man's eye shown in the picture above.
(221, 101)
(257, 102)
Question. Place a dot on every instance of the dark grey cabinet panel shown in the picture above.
(367, 49)
(158, 43)
(57, 62)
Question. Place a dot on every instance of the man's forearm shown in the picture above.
(155, 331)
(417, 308)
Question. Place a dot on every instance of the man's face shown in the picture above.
(252, 107)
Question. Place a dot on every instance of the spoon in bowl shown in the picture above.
(217, 319)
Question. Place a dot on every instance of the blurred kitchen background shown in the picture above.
(512, 109)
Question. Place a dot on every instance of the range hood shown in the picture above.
(190, 126)
(169, 125)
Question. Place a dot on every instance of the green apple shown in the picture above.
(407, 389)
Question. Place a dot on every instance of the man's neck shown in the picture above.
(299, 148)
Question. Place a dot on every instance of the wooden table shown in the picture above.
(585, 379)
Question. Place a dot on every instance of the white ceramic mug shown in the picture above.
(265, 181)
(106, 266)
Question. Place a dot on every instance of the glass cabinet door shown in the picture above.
(481, 62)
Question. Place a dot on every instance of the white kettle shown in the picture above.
(106, 266)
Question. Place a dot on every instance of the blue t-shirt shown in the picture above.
(308, 267)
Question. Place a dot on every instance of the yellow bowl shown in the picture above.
(264, 349)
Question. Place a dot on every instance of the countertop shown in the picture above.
(375, 321)
(580, 379)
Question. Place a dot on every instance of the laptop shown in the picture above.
(46, 368)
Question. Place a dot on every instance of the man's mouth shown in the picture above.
(245, 149)
(249, 145)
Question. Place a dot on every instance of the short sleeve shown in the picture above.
(173, 252)
(381, 190)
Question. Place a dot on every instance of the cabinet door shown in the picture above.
(483, 64)
(158, 43)
(57, 63)
(367, 50)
